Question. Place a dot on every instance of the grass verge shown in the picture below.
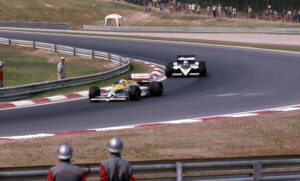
(28, 65)
(273, 134)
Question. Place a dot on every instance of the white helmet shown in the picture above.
(65, 151)
(122, 81)
(185, 63)
(62, 58)
(115, 145)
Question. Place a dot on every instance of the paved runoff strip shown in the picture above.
(157, 72)
(172, 122)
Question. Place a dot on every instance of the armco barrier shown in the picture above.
(191, 29)
(39, 25)
(18, 92)
(223, 169)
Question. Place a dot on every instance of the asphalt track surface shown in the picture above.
(239, 79)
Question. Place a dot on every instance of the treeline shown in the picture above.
(258, 6)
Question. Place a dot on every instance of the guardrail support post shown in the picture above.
(108, 56)
(74, 51)
(120, 61)
(257, 166)
(93, 54)
(178, 171)
(55, 48)
(33, 44)
(9, 41)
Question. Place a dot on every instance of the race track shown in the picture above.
(239, 79)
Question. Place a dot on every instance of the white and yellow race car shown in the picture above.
(132, 88)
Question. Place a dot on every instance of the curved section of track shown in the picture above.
(239, 79)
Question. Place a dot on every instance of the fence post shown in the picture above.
(33, 44)
(74, 51)
(257, 166)
(93, 54)
(120, 61)
(55, 48)
(108, 57)
(178, 171)
(9, 41)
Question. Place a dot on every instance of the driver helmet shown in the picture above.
(185, 63)
(122, 81)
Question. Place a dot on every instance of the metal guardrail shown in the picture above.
(18, 92)
(39, 25)
(191, 29)
(224, 169)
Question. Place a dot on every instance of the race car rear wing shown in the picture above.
(141, 77)
(189, 58)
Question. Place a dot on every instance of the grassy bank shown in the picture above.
(28, 65)
(79, 12)
(274, 134)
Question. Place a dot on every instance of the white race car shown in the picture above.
(186, 66)
(132, 88)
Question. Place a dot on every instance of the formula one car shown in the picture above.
(186, 66)
(132, 88)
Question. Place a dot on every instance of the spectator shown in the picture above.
(295, 16)
(208, 11)
(249, 12)
(298, 15)
(270, 13)
(220, 10)
(198, 9)
(230, 11)
(214, 11)
(1, 75)
(289, 16)
(65, 171)
(283, 14)
(61, 69)
(234, 12)
(226, 11)
(115, 168)
(179, 6)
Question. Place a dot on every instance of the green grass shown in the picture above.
(134, 68)
(26, 66)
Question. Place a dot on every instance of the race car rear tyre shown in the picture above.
(156, 88)
(169, 69)
(202, 69)
(94, 92)
(134, 93)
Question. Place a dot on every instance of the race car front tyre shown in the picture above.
(156, 88)
(202, 69)
(134, 93)
(169, 69)
(94, 92)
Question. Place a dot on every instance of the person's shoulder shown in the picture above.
(125, 162)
